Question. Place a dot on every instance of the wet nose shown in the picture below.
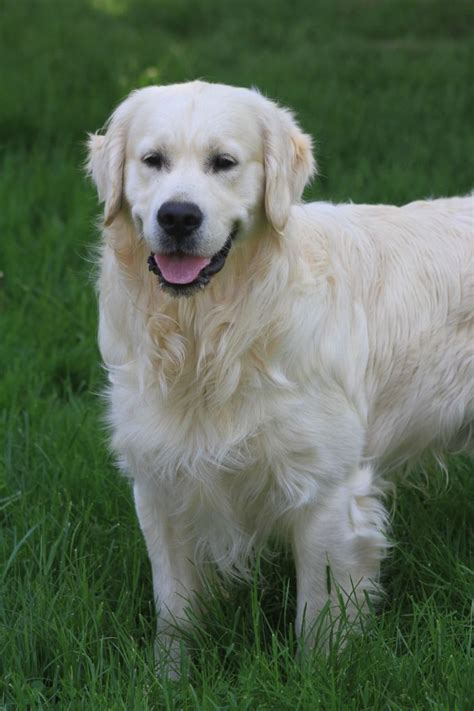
(179, 219)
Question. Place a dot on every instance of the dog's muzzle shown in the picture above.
(182, 274)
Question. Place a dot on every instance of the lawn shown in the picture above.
(387, 89)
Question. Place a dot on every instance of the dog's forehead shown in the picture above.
(197, 115)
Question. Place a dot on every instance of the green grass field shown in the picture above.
(387, 89)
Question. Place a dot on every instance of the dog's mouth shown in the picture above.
(182, 273)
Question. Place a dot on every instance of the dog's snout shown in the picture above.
(179, 219)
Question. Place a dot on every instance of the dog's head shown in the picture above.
(196, 166)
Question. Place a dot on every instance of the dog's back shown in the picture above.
(412, 268)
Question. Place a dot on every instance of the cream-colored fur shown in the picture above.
(336, 341)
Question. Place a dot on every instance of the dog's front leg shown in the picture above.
(338, 544)
(175, 580)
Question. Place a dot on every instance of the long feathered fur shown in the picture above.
(337, 342)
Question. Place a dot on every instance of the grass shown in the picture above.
(386, 87)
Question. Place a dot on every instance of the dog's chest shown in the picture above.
(223, 411)
(214, 423)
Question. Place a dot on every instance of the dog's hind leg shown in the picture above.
(338, 545)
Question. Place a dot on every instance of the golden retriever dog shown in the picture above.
(269, 360)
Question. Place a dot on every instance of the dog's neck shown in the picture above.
(208, 334)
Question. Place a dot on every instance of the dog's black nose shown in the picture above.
(179, 219)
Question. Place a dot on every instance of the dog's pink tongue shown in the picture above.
(180, 269)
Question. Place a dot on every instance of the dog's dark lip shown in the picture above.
(214, 266)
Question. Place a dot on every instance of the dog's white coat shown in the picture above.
(336, 341)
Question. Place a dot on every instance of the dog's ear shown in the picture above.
(289, 163)
(106, 161)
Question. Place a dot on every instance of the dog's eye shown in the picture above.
(154, 160)
(222, 162)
